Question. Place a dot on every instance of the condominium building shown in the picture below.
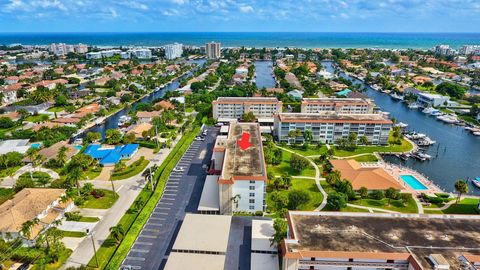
(235, 107)
(470, 49)
(173, 51)
(63, 49)
(444, 50)
(338, 105)
(213, 50)
(140, 53)
(334, 240)
(329, 127)
(237, 173)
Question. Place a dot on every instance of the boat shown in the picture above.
(401, 125)
(413, 106)
(476, 182)
(476, 133)
(396, 96)
(447, 118)
(123, 120)
(436, 113)
(428, 110)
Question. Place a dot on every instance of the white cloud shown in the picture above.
(179, 2)
(246, 9)
(113, 13)
(344, 15)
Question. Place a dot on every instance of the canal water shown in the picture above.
(264, 74)
(456, 155)
(112, 121)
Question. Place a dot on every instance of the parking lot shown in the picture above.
(181, 194)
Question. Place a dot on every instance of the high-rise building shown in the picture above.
(236, 107)
(470, 49)
(213, 50)
(63, 49)
(173, 51)
(444, 50)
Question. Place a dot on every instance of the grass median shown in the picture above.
(111, 256)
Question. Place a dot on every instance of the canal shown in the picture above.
(456, 155)
(264, 74)
(112, 121)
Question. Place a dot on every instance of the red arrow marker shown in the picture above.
(244, 142)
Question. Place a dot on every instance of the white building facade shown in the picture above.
(235, 107)
(173, 51)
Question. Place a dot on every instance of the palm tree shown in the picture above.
(62, 155)
(117, 233)
(74, 176)
(461, 187)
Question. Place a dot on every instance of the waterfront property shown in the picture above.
(330, 127)
(20, 146)
(338, 105)
(233, 108)
(111, 155)
(239, 161)
(28, 204)
(372, 177)
(326, 240)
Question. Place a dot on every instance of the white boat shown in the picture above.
(396, 96)
(476, 133)
(123, 120)
(417, 136)
(401, 125)
(428, 110)
(436, 113)
(449, 119)
(476, 182)
(413, 106)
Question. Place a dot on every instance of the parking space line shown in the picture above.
(140, 250)
(143, 243)
(148, 236)
(157, 218)
(155, 224)
(135, 258)
(167, 203)
(169, 199)
(165, 208)
(151, 230)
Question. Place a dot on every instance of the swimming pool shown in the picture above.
(78, 147)
(413, 182)
(36, 145)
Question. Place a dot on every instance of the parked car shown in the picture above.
(178, 169)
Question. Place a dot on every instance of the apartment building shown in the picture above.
(328, 240)
(173, 51)
(63, 49)
(338, 105)
(238, 173)
(140, 53)
(213, 50)
(329, 127)
(234, 107)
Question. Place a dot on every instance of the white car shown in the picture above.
(178, 169)
(199, 139)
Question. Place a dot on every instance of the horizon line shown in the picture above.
(238, 32)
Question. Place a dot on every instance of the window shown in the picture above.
(251, 207)
(252, 194)
(252, 188)
(251, 201)
(252, 182)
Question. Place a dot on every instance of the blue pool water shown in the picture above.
(79, 147)
(413, 182)
(36, 145)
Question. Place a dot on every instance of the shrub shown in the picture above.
(97, 193)
(259, 213)
(336, 201)
(377, 195)
(73, 216)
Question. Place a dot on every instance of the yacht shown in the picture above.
(123, 120)
(401, 125)
(396, 96)
(447, 118)
(428, 110)
(436, 113)
(413, 106)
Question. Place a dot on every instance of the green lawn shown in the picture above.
(308, 185)
(55, 109)
(132, 170)
(284, 167)
(395, 205)
(89, 219)
(467, 206)
(64, 254)
(37, 118)
(312, 150)
(9, 171)
(93, 173)
(72, 234)
(6, 194)
(104, 202)
(37, 176)
(404, 147)
(366, 158)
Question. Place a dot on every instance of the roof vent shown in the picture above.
(439, 262)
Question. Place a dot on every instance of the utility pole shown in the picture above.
(94, 248)
(113, 189)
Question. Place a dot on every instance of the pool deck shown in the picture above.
(396, 171)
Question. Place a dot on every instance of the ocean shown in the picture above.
(254, 39)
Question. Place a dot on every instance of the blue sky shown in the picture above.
(239, 16)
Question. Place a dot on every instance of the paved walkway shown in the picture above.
(10, 181)
(372, 209)
(128, 191)
(317, 178)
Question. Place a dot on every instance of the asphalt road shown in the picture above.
(181, 194)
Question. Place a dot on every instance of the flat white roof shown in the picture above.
(224, 129)
(266, 120)
(19, 146)
(203, 233)
(262, 231)
(226, 119)
(266, 129)
(182, 261)
(209, 201)
(260, 261)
